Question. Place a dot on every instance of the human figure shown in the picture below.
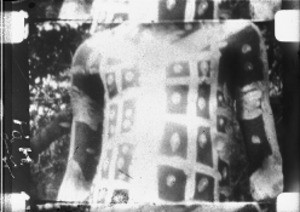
(158, 109)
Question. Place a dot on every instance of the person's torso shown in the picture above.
(168, 120)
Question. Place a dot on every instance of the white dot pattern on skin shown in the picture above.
(202, 184)
(175, 141)
(220, 144)
(246, 48)
(224, 173)
(110, 79)
(204, 67)
(171, 4)
(202, 8)
(177, 68)
(176, 98)
(202, 140)
(129, 76)
(171, 179)
(255, 139)
(90, 151)
(249, 66)
(201, 103)
(221, 121)
(220, 98)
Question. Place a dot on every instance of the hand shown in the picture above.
(267, 181)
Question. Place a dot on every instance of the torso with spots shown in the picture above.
(169, 113)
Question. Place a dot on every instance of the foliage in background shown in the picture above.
(51, 9)
(52, 46)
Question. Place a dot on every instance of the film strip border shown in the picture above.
(49, 206)
(21, 202)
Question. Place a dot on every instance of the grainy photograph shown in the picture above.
(156, 105)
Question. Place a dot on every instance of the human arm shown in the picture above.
(87, 99)
(244, 68)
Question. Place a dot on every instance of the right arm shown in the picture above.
(87, 99)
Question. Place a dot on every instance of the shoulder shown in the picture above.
(88, 54)
(244, 55)
(82, 54)
(243, 32)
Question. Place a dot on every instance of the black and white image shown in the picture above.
(174, 105)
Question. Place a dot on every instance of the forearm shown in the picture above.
(86, 149)
(87, 100)
(245, 69)
(86, 133)
(256, 124)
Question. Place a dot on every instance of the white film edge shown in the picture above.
(15, 30)
(287, 25)
(288, 202)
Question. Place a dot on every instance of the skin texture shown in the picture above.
(87, 99)
(241, 69)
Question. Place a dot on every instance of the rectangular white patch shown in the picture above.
(287, 25)
(14, 29)
(288, 202)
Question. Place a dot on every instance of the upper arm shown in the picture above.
(85, 75)
(243, 59)
(243, 68)
(87, 90)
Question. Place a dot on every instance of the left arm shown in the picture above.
(250, 88)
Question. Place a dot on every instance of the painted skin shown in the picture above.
(153, 85)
